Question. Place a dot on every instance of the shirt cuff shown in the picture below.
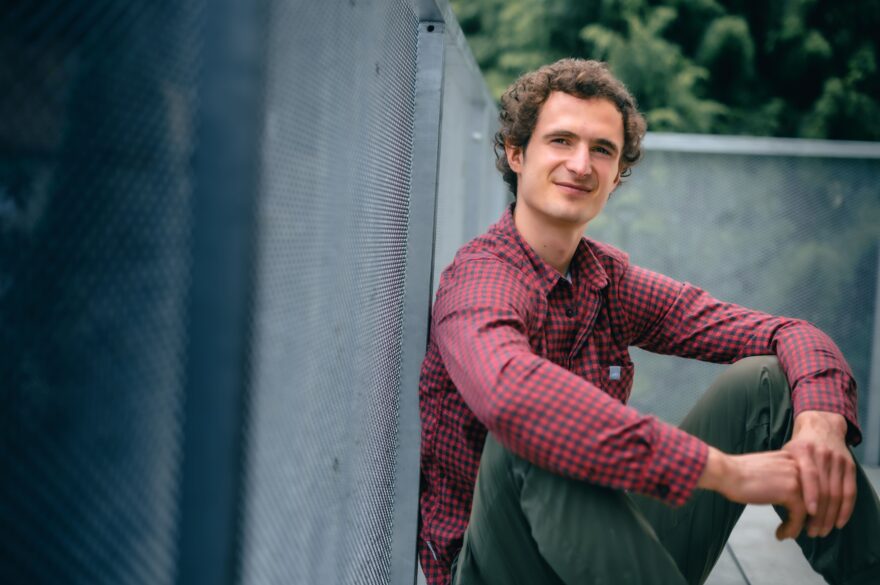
(825, 400)
(678, 462)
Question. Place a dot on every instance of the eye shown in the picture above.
(601, 150)
(559, 141)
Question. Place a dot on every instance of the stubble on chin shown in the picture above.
(570, 216)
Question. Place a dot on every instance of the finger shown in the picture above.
(814, 526)
(810, 481)
(795, 512)
(793, 524)
(848, 499)
(835, 490)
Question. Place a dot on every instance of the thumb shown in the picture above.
(792, 526)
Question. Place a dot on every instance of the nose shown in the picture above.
(579, 162)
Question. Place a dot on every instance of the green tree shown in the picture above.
(801, 68)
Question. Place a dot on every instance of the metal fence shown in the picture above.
(217, 222)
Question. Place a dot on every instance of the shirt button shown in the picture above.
(662, 490)
(569, 312)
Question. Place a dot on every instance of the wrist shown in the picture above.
(716, 472)
(828, 422)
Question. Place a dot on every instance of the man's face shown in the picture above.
(571, 164)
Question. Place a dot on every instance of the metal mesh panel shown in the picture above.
(96, 125)
(329, 305)
(790, 235)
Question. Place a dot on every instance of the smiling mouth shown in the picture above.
(581, 188)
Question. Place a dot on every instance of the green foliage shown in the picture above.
(778, 68)
(845, 109)
(666, 82)
(727, 50)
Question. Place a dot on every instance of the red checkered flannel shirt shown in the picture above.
(543, 364)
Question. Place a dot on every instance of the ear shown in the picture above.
(514, 157)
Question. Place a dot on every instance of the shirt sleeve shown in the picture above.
(541, 411)
(671, 317)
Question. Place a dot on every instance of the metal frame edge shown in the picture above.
(417, 294)
(760, 145)
(872, 425)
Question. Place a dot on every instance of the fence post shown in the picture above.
(417, 299)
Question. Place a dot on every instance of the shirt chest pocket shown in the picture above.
(608, 367)
(617, 377)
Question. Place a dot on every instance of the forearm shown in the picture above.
(562, 423)
(670, 317)
(721, 469)
(820, 378)
(817, 372)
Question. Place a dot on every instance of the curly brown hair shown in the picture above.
(587, 79)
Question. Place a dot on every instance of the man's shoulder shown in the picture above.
(487, 246)
(488, 260)
(486, 252)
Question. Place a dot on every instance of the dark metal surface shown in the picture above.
(96, 140)
(220, 313)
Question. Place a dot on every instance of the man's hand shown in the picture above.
(771, 477)
(827, 471)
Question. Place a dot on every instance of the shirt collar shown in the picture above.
(585, 267)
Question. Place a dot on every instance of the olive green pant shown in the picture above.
(530, 526)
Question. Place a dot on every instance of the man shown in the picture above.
(533, 468)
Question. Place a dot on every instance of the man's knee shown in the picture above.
(757, 367)
(747, 408)
(761, 376)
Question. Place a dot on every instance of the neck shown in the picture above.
(555, 242)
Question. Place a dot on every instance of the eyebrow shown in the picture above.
(569, 134)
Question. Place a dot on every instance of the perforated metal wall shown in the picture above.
(792, 235)
(96, 139)
(332, 251)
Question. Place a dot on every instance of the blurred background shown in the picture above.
(221, 222)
